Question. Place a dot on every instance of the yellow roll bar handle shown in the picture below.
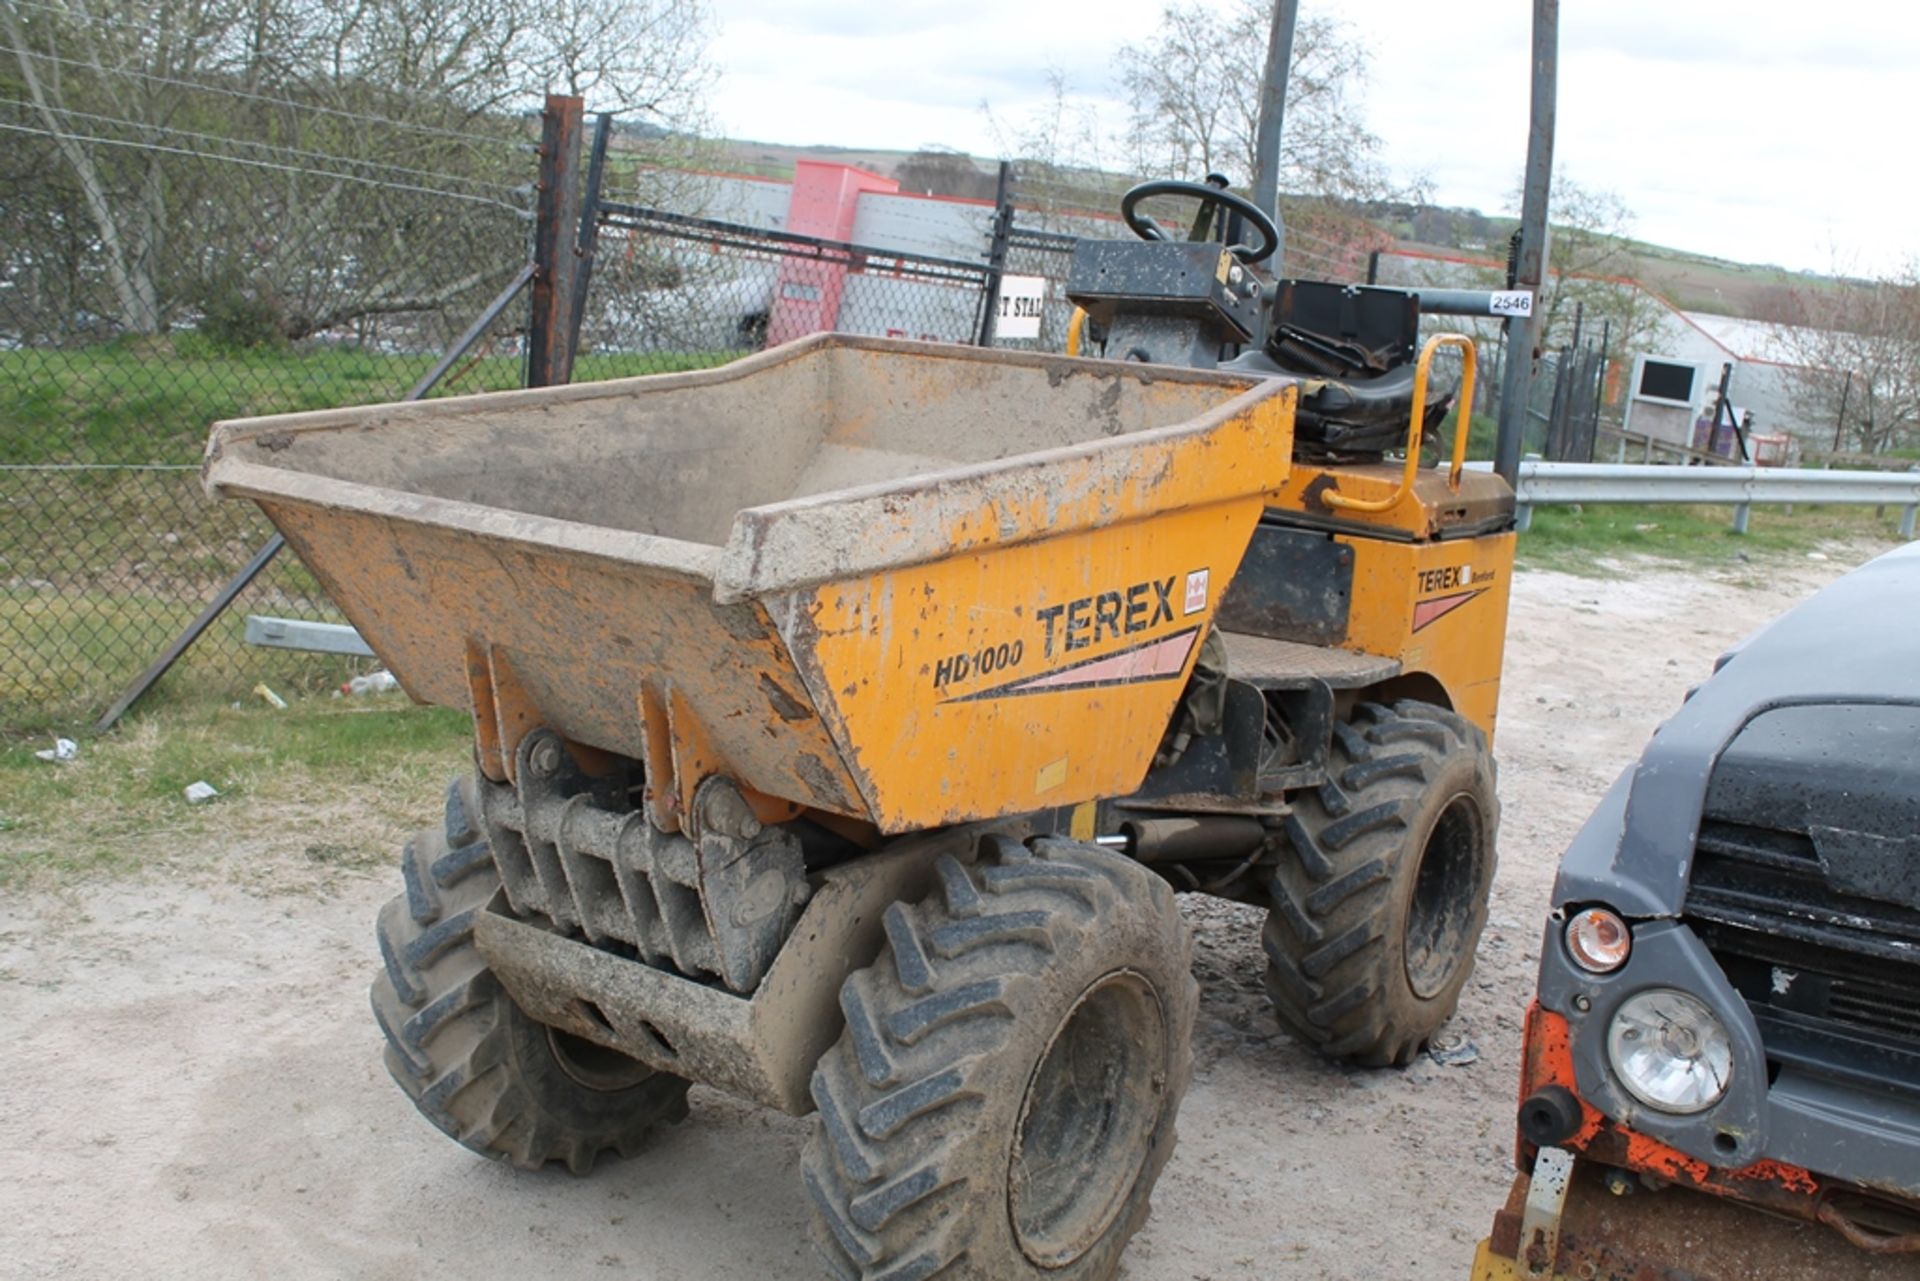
(1462, 423)
(1076, 325)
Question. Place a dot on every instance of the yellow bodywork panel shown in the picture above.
(1032, 676)
(1424, 592)
(618, 657)
(1039, 667)
(1488, 1266)
(1441, 609)
(905, 583)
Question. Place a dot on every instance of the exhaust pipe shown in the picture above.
(1182, 840)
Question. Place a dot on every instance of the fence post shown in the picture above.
(1840, 419)
(1741, 514)
(589, 238)
(1907, 515)
(997, 253)
(556, 236)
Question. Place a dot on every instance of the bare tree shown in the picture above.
(316, 163)
(1194, 92)
(1063, 146)
(644, 58)
(938, 171)
(1857, 343)
(1589, 254)
(73, 67)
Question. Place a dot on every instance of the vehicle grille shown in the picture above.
(1832, 978)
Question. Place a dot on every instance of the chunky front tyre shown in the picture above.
(1003, 1097)
(1375, 917)
(472, 1061)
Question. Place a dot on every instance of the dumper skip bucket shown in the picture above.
(904, 583)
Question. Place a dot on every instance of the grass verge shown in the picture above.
(1602, 540)
(71, 655)
(318, 788)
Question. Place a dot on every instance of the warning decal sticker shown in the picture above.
(1156, 660)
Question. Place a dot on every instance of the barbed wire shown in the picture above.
(275, 148)
(488, 201)
(248, 95)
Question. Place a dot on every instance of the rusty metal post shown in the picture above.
(556, 237)
(997, 255)
(1530, 260)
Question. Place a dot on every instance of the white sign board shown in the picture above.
(1510, 302)
(1022, 298)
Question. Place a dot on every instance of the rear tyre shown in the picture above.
(1375, 917)
(490, 1077)
(1003, 1097)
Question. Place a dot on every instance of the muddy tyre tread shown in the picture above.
(898, 1167)
(1337, 898)
(468, 1058)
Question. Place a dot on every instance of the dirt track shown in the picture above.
(189, 1082)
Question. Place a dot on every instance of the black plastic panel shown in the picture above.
(1294, 585)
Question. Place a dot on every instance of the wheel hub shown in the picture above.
(593, 1065)
(1086, 1123)
(1444, 898)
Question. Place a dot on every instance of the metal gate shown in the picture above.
(673, 291)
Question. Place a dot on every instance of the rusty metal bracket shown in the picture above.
(714, 903)
(1546, 1199)
(1872, 1242)
(761, 1048)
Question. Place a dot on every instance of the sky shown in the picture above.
(1762, 132)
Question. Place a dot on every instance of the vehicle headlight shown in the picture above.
(1670, 1051)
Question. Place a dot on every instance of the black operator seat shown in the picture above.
(1356, 347)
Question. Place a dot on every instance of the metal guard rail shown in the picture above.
(1545, 483)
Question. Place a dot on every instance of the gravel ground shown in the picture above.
(190, 1084)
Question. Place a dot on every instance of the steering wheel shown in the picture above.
(1143, 226)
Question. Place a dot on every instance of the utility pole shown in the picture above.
(1531, 260)
(1273, 110)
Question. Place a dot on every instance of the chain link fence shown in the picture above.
(223, 253)
(674, 291)
(253, 254)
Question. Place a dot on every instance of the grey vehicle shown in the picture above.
(1729, 996)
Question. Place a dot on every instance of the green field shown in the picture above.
(100, 569)
(150, 400)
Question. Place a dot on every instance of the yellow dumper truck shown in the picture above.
(847, 718)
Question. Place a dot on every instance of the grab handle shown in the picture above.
(1469, 359)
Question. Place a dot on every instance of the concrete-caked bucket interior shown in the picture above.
(680, 459)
